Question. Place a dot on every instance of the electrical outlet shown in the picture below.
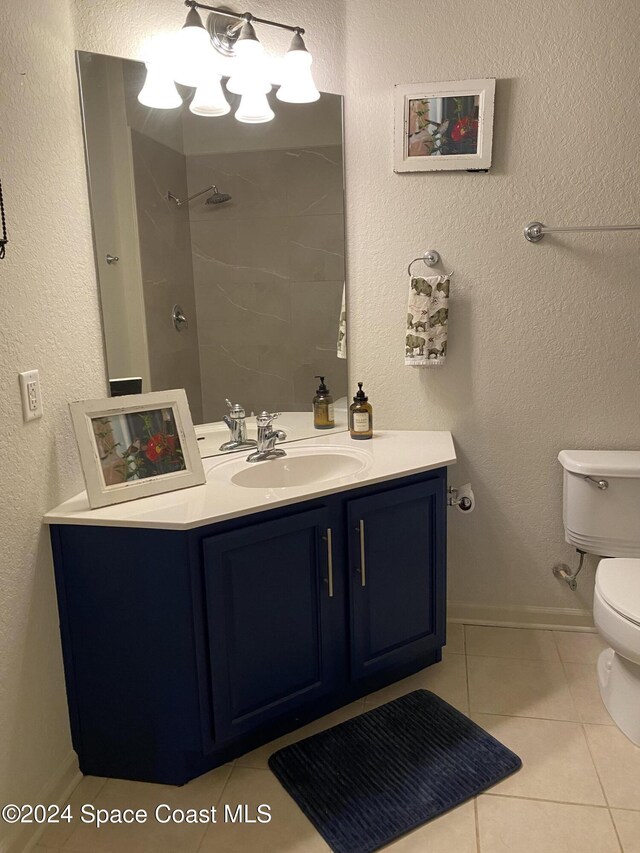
(30, 391)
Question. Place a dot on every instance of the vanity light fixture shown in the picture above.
(192, 48)
(250, 70)
(227, 47)
(297, 85)
(159, 90)
(209, 99)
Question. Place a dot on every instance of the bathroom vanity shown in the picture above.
(199, 624)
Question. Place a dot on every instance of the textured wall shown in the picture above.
(544, 349)
(49, 320)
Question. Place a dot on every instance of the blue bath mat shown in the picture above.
(365, 782)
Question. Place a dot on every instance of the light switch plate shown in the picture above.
(30, 391)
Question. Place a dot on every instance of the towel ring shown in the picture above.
(430, 258)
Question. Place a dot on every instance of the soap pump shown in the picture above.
(361, 416)
(323, 417)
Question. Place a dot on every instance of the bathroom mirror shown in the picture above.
(219, 249)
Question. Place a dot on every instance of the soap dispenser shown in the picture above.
(323, 417)
(361, 416)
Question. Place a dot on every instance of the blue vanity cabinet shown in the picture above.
(275, 614)
(396, 555)
(186, 648)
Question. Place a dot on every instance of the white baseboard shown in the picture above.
(558, 618)
(57, 790)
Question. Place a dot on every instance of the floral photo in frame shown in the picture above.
(136, 446)
(444, 126)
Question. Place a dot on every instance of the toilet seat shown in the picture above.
(618, 584)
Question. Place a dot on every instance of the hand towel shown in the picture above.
(342, 328)
(427, 321)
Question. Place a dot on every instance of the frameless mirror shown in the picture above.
(219, 250)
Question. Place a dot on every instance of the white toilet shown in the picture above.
(601, 514)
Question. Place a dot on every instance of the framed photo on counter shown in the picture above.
(136, 446)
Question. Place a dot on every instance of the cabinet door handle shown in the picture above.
(329, 539)
(363, 565)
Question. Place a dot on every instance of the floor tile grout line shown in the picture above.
(489, 793)
(603, 807)
(217, 803)
(466, 681)
(511, 657)
(477, 821)
(552, 631)
(615, 829)
(586, 737)
(76, 825)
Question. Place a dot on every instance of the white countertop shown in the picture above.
(389, 455)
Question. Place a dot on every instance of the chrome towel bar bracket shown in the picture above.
(430, 258)
(535, 231)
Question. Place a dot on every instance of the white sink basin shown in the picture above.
(301, 466)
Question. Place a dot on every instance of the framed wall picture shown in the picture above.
(444, 126)
(136, 446)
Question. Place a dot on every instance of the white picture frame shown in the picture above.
(444, 126)
(136, 446)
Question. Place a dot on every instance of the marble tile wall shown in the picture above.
(268, 274)
(167, 273)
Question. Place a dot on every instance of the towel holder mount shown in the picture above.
(430, 258)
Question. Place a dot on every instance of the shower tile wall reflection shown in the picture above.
(165, 261)
(268, 271)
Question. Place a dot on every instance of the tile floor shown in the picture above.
(578, 792)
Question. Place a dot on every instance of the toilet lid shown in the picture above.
(618, 582)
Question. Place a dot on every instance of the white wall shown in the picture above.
(544, 348)
(49, 320)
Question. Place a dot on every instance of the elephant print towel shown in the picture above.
(427, 321)
(342, 327)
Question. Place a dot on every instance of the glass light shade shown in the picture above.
(254, 108)
(244, 84)
(159, 90)
(250, 74)
(192, 51)
(209, 99)
(297, 81)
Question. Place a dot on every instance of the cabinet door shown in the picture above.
(271, 603)
(397, 570)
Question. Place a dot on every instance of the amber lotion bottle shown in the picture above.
(323, 417)
(361, 416)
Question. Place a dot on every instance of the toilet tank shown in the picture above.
(605, 519)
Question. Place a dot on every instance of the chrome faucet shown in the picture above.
(235, 420)
(267, 438)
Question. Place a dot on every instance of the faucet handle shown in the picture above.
(235, 409)
(265, 418)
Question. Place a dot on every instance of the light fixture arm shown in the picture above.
(242, 18)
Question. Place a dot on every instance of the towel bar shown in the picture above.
(535, 231)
